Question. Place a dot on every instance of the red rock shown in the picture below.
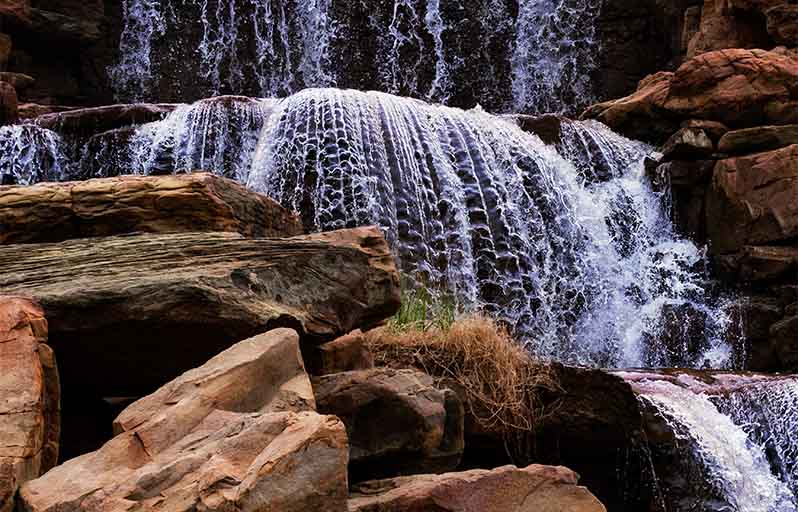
(29, 397)
(782, 24)
(347, 353)
(5, 51)
(88, 121)
(753, 200)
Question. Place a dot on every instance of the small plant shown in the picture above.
(424, 308)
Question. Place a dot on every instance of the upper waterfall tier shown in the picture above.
(566, 242)
(532, 55)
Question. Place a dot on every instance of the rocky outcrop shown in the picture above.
(89, 121)
(236, 433)
(740, 88)
(188, 296)
(397, 421)
(53, 212)
(758, 139)
(504, 489)
(29, 397)
(757, 198)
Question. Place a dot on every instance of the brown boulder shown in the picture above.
(53, 212)
(234, 434)
(29, 397)
(760, 138)
(733, 86)
(345, 354)
(188, 296)
(5, 51)
(760, 264)
(397, 421)
(753, 200)
(784, 339)
(505, 489)
(730, 24)
(739, 88)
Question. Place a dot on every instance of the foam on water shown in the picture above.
(587, 270)
(733, 457)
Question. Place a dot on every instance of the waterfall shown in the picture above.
(585, 270)
(217, 134)
(290, 51)
(30, 154)
(528, 55)
(554, 54)
(730, 436)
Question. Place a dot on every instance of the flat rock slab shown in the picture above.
(29, 397)
(128, 313)
(238, 433)
(505, 489)
(53, 212)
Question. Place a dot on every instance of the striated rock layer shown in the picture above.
(29, 397)
(115, 301)
(53, 212)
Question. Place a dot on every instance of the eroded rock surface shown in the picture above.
(234, 434)
(113, 302)
(505, 489)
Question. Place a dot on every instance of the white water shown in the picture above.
(586, 271)
(275, 48)
(291, 45)
(733, 463)
(31, 154)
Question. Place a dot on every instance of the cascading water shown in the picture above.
(290, 49)
(30, 154)
(735, 436)
(534, 55)
(217, 134)
(586, 271)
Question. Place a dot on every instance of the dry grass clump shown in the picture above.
(502, 383)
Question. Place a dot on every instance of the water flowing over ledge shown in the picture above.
(533, 56)
(565, 242)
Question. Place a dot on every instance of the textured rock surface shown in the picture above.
(505, 489)
(740, 88)
(9, 112)
(53, 212)
(112, 302)
(753, 200)
(397, 421)
(29, 397)
(88, 121)
(234, 434)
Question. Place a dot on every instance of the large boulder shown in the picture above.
(347, 353)
(758, 139)
(397, 421)
(740, 88)
(53, 212)
(113, 302)
(29, 397)
(753, 200)
(505, 489)
(234, 434)
(88, 121)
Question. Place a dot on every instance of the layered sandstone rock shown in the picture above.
(29, 397)
(113, 302)
(234, 434)
(505, 489)
(88, 121)
(53, 212)
(397, 421)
